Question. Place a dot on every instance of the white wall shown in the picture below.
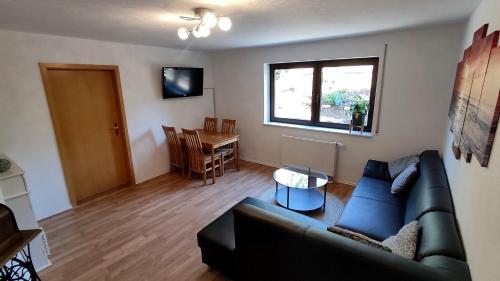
(26, 132)
(419, 73)
(476, 190)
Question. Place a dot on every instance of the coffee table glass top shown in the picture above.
(298, 177)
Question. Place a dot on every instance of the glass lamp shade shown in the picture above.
(209, 19)
(225, 23)
(183, 33)
(196, 33)
(203, 30)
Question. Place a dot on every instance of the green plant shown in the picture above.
(359, 106)
(336, 98)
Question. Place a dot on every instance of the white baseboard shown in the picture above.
(151, 177)
(279, 166)
(345, 182)
(39, 269)
(261, 163)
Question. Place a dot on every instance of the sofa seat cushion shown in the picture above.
(438, 236)
(373, 218)
(377, 189)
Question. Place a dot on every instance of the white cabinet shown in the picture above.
(15, 194)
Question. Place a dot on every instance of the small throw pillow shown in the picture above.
(404, 179)
(377, 169)
(358, 237)
(405, 242)
(398, 166)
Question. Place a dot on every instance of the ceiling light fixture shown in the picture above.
(183, 33)
(206, 20)
(225, 23)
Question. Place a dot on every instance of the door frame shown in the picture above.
(44, 69)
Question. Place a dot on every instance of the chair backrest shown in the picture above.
(174, 146)
(210, 124)
(195, 150)
(228, 126)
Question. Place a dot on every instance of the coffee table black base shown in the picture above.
(302, 200)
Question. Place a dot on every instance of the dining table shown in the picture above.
(213, 140)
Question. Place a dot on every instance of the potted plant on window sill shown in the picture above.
(358, 111)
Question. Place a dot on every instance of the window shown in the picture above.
(321, 93)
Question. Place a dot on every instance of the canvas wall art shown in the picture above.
(475, 104)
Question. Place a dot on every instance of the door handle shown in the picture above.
(117, 129)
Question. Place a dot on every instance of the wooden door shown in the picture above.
(87, 114)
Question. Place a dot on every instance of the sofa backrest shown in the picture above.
(438, 235)
(430, 203)
(431, 191)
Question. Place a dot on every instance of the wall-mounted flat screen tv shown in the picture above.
(181, 82)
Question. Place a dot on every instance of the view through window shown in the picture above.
(323, 93)
(293, 95)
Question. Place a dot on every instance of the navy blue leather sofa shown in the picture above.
(256, 240)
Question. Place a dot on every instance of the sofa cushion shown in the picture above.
(377, 169)
(430, 192)
(373, 218)
(404, 180)
(438, 236)
(432, 172)
(422, 200)
(358, 237)
(404, 243)
(399, 165)
(377, 189)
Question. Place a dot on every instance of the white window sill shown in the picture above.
(319, 129)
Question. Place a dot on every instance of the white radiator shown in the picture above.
(312, 153)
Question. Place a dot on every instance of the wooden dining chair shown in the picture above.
(199, 161)
(177, 157)
(227, 151)
(210, 125)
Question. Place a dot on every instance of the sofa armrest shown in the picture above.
(377, 169)
(273, 247)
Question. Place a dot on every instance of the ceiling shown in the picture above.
(255, 22)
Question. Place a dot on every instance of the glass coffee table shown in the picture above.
(299, 188)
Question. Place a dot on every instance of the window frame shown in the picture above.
(316, 90)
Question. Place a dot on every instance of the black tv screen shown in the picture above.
(182, 82)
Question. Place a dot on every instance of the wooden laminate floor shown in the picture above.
(148, 232)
